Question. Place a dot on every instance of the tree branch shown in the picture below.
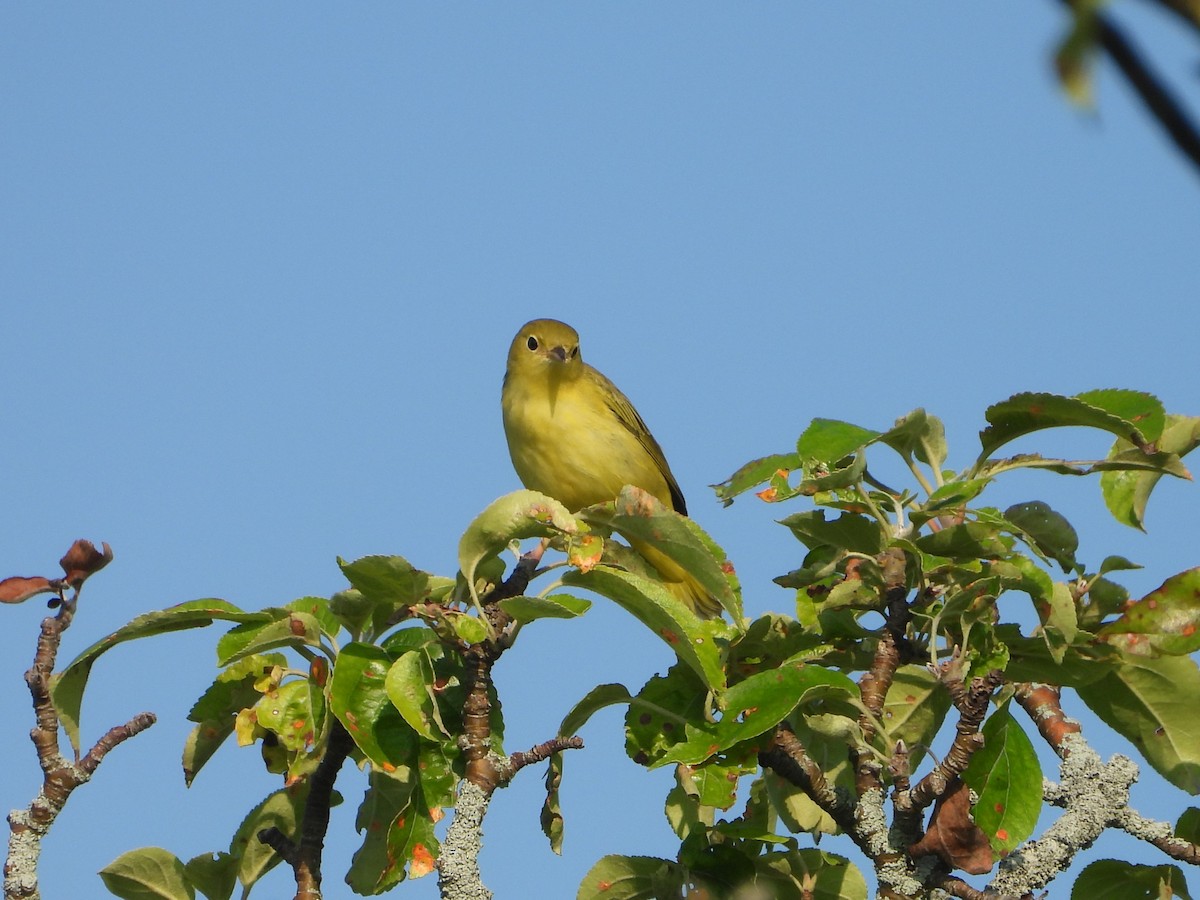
(28, 826)
(1153, 93)
(972, 704)
(305, 857)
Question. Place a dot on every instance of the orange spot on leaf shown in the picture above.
(422, 861)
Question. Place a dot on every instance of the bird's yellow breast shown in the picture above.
(567, 442)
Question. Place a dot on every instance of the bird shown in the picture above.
(574, 436)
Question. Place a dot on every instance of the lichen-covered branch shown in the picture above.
(459, 877)
(1043, 703)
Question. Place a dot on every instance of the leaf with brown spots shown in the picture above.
(1166, 622)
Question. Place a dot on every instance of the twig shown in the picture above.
(787, 757)
(543, 751)
(305, 858)
(28, 826)
(458, 861)
(972, 704)
(873, 686)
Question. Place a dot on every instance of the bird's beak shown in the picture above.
(559, 353)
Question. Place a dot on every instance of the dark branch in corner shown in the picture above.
(1184, 9)
(1153, 93)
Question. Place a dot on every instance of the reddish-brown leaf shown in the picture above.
(83, 560)
(18, 589)
(952, 835)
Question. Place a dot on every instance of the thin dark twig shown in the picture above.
(1153, 93)
(305, 858)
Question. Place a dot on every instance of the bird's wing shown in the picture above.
(620, 406)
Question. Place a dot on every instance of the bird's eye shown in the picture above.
(532, 343)
(574, 351)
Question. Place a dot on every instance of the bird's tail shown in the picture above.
(680, 582)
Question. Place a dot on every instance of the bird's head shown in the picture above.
(546, 346)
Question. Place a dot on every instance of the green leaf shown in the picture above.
(1030, 659)
(289, 629)
(1116, 564)
(828, 440)
(1144, 410)
(1151, 702)
(398, 833)
(1023, 414)
(1049, 531)
(551, 818)
(1007, 778)
(754, 473)
(952, 495)
(1188, 825)
(213, 874)
(1115, 879)
(1060, 621)
(358, 697)
(283, 810)
(631, 878)
(1073, 57)
(555, 606)
(469, 628)
(68, 685)
(318, 608)
(915, 706)
(386, 585)
(522, 514)
(751, 707)
(1126, 493)
(598, 698)
(375, 868)
(232, 691)
(837, 478)
(409, 685)
(851, 532)
(150, 873)
(640, 517)
(918, 435)
(808, 874)
(967, 540)
(1164, 622)
(655, 719)
(684, 813)
(692, 639)
(295, 712)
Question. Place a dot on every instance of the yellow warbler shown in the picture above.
(574, 436)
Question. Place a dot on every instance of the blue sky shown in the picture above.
(262, 265)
